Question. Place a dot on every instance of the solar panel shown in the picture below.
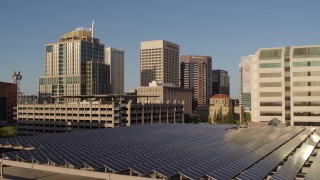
(168, 149)
(266, 165)
(237, 166)
(292, 167)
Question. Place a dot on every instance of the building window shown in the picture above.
(267, 75)
(270, 94)
(271, 84)
(270, 113)
(270, 65)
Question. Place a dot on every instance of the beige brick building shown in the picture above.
(220, 105)
(162, 93)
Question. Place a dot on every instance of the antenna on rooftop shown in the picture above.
(92, 28)
(16, 78)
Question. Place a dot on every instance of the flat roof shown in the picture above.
(166, 150)
(103, 96)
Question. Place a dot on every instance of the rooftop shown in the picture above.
(223, 96)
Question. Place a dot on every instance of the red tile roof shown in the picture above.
(221, 96)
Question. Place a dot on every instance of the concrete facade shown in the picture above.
(195, 73)
(285, 85)
(165, 94)
(245, 83)
(56, 118)
(115, 59)
(159, 61)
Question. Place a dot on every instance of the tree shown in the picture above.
(196, 119)
(210, 120)
(229, 118)
(8, 131)
(187, 118)
(248, 116)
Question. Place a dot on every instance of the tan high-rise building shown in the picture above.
(159, 60)
(115, 59)
(196, 75)
(74, 66)
(285, 85)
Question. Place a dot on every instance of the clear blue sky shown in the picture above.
(225, 30)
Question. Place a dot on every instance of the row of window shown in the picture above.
(270, 94)
(267, 75)
(270, 65)
(270, 113)
(306, 73)
(309, 93)
(64, 109)
(304, 63)
(312, 83)
(276, 113)
(307, 103)
(271, 84)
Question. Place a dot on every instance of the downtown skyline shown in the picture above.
(223, 30)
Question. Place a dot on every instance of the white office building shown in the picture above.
(286, 85)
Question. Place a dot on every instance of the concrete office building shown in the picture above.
(8, 102)
(161, 93)
(245, 83)
(195, 73)
(159, 61)
(74, 66)
(36, 118)
(115, 59)
(220, 82)
(285, 85)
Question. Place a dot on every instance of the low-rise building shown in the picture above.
(160, 93)
(220, 105)
(35, 118)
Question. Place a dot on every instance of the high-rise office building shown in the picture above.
(74, 66)
(159, 61)
(285, 85)
(115, 59)
(245, 83)
(195, 73)
(220, 82)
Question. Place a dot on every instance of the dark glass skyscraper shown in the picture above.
(220, 82)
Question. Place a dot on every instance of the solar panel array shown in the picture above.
(190, 150)
(261, 169)
(292, 167)
(313, 172)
